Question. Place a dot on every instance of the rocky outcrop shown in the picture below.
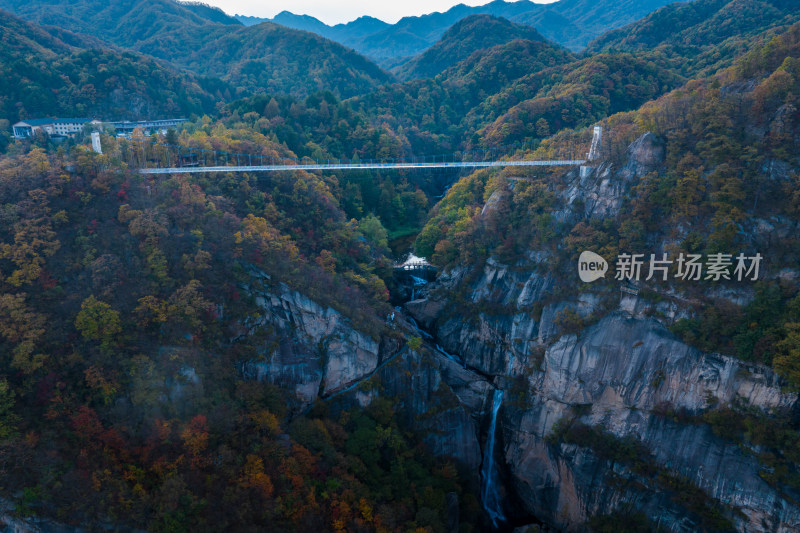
(318, 352)
(600, 193)
(443, 400)
(616, 373)
(598, 356)
(623, 362)
(644, 155)
(425, 311)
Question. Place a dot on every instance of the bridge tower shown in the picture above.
(594, 151)
(597, 137)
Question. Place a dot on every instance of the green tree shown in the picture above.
(414, 343)
(374, 231)
(98, 321)
(172, 137)
(542, 128)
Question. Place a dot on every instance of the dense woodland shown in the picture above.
(114, 286)
(122, 300)
(65, 74)
(257, 59)
(570, 23)
(720, 135)
(466, 37)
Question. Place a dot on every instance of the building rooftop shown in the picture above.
(43, 121)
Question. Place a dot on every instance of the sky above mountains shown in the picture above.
(340, 11)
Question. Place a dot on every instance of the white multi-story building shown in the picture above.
(69, 127)
(54, 127)
(124, 128)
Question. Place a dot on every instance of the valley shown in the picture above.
(340, 290)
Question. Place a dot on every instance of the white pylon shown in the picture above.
(594, 151)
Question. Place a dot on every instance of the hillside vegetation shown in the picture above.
(570, 23)
(260, 58)
(44, 75)
(702, 36)
(730, 143)
(124, 319)
(469, 35)
(220, 351)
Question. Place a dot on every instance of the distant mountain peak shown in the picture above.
(209, 12)
(286, 13)
(300, 22)
(465, 37)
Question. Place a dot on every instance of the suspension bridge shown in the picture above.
(158, 158)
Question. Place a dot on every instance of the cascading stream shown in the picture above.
(490, 495)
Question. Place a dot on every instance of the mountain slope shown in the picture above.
(571, 23)
(579, 93)
(121, 22)
(574, 23)
(467, 36)
(560, 96)
(299, 22)
(269, 58)
(347, 34)
(699, 170)
(264, 57)
(64, 79)
(520, 91)
(704, 35)
(210, 13)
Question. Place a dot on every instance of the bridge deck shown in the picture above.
(362, 166)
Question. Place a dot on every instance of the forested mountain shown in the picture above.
(348, 34)
(120, 266)
(699, 171)
(469, 35)
(266, 57)
(733, 126)
(290, 20)
(212, 13)
(121, 22)
(574, 23)
(234, 350)
(701, 36)
(571, 23)
(575, 94)
(269, 58)
(520, 91)
(83, 78)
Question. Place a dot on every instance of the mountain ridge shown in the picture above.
(63, 78)
(256, 58)
(700, 30)
(177, 340)
(570, 23)
(468, 35)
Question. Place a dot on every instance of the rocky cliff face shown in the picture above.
(612, 365)
(614, 374)
(617, 373)
(319, 351)
(620, 369)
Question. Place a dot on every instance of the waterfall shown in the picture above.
(489, 491)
